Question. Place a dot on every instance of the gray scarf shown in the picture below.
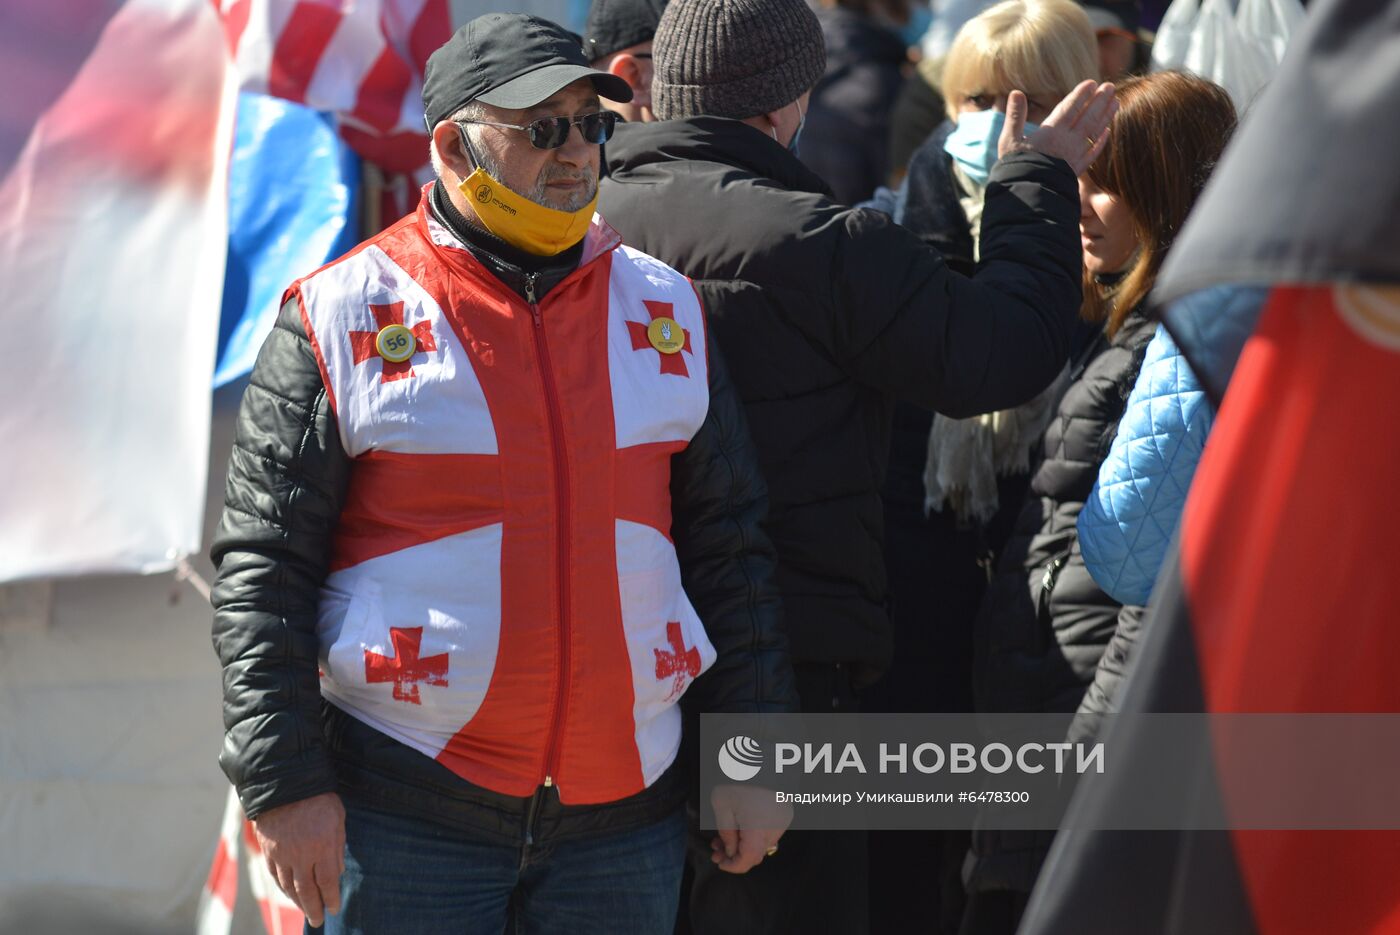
(966, 456)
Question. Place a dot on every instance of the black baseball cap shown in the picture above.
(508, 60)
(614, 25)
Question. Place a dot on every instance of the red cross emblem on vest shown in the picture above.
(641, 339)
(366, 344)
(405, 668)
(680, 662)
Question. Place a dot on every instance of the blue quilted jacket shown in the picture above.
(1133, 510)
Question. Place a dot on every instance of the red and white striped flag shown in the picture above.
(221, 889)
(280, 915)
(362, 60)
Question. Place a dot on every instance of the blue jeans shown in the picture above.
(405, 875)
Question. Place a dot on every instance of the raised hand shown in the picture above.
(1076, 130)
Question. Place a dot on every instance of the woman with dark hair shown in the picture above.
(1044, 625)
(1135, 197)
(1130, 514)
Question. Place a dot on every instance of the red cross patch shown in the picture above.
(670, 363)
(405, 668)
(680, 662)
(365, 344)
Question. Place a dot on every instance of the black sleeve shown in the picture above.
(906, 324)
(718, 502)
(286, 486)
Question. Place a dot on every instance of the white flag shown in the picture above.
(115, 130)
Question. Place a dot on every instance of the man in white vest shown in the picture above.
(492, 521)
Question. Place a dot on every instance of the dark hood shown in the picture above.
(709, 139)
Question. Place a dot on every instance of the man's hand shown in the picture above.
(1076, 130)
(750, 821)
(304, 845)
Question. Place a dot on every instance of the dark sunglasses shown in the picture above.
(553, 132)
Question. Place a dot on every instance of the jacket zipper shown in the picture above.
(561, 480)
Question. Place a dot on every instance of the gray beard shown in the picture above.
(539, 193)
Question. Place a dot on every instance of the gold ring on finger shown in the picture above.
(1090, 141)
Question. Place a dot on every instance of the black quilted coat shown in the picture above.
(1044, 623)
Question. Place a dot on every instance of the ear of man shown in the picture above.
(626, 67)
(783, 122)
(629, 68)
(447, 143)
(769, 124)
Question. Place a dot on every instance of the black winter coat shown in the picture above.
(1044, 624)
(846, 140)
(932, 210)
(827, 315)
(287, 482)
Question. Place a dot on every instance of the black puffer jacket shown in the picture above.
(827, 315)
(287, 482)
(1044, 624)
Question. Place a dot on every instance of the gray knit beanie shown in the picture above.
(734, 58)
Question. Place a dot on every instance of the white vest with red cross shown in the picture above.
(504, 594)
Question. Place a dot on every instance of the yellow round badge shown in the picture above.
(395, 343)
(666, 335)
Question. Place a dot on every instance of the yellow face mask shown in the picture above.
(521, 222)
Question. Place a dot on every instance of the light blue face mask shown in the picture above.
(973, 143)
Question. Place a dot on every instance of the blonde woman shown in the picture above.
(1041, 47)
(961, 470)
